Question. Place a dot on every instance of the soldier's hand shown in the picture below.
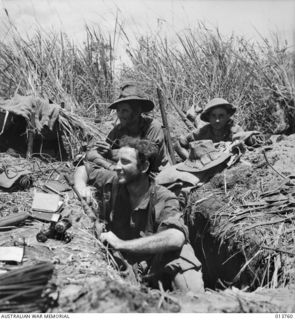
(85, 193)
(111, 239)
(99, 227)
(102, 148)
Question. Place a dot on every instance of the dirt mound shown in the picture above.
(87, 282)
(242, 221)
(85, 279)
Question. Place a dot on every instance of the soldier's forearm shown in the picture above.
(104, 163)
(167, 240)
(98, 159)
(80, 177)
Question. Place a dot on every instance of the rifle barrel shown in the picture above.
(166, 126)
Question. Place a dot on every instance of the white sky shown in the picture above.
(165, 17)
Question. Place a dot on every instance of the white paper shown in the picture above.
(11, 254)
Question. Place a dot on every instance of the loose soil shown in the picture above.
(85, 279)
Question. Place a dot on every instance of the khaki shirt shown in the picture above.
(158, 211)
(206, 133)
(147, 218)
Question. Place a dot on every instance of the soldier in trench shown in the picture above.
(130, 106)
(220, 127)
(143, 220)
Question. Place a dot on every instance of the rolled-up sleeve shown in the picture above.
(167, 213)
(98, 176)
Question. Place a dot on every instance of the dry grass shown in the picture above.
(77, 130)
(200, 65)
(258, 78)
(251, 223)
(24, 289)
(50, 66)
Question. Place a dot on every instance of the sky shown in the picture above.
(250, 18)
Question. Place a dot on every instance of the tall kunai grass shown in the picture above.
(258, 78)
(201, 64)
(49, 65)
(52, 67)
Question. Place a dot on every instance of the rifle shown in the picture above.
(122, 265)
(86, 208)
(188, 124)
(165, 126)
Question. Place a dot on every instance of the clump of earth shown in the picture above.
(87, 282)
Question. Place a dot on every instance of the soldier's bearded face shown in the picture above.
(126, 114)
(218, 118)
(127, 168)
